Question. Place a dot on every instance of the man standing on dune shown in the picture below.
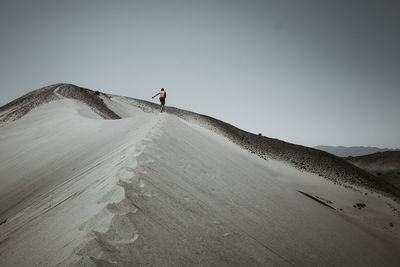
(163, 95)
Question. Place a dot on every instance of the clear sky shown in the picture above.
(309, 72)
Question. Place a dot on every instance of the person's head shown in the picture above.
(162, 89)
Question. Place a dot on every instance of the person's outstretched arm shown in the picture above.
(155, 95)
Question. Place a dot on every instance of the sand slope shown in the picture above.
(153, 189)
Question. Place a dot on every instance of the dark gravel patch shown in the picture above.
(89, 97)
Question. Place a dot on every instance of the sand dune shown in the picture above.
(384, 165)
(104, 180)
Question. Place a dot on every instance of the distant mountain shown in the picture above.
(382, 164)
(343, 151)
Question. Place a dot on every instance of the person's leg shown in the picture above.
(162, 104)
